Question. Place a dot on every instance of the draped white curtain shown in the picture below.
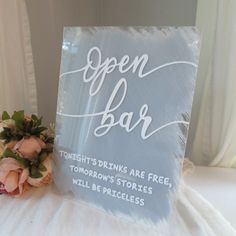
(214, 140)
(17, 81)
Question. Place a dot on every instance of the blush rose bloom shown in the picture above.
(13, 178)
(29, 147)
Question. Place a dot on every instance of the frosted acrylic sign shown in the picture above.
(124, 104)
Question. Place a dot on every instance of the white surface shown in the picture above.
(45, 212)
(218, 186)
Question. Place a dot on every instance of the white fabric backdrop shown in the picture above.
(17, 81)
(215, 132)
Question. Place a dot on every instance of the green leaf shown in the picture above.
(37, 121)
(38, 130)
(5, 116)
(43, 157)
(2, 135)
(40, 121)
(9, 153)
(19, 124)
(42, 167)
(23, 162)
(18, 115)
(35, 173)
(34, 117)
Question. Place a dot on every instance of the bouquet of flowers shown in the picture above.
(25, 153)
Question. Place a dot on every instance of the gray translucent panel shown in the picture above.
(124, 103)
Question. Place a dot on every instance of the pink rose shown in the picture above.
(29, 147)
(13, 178)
